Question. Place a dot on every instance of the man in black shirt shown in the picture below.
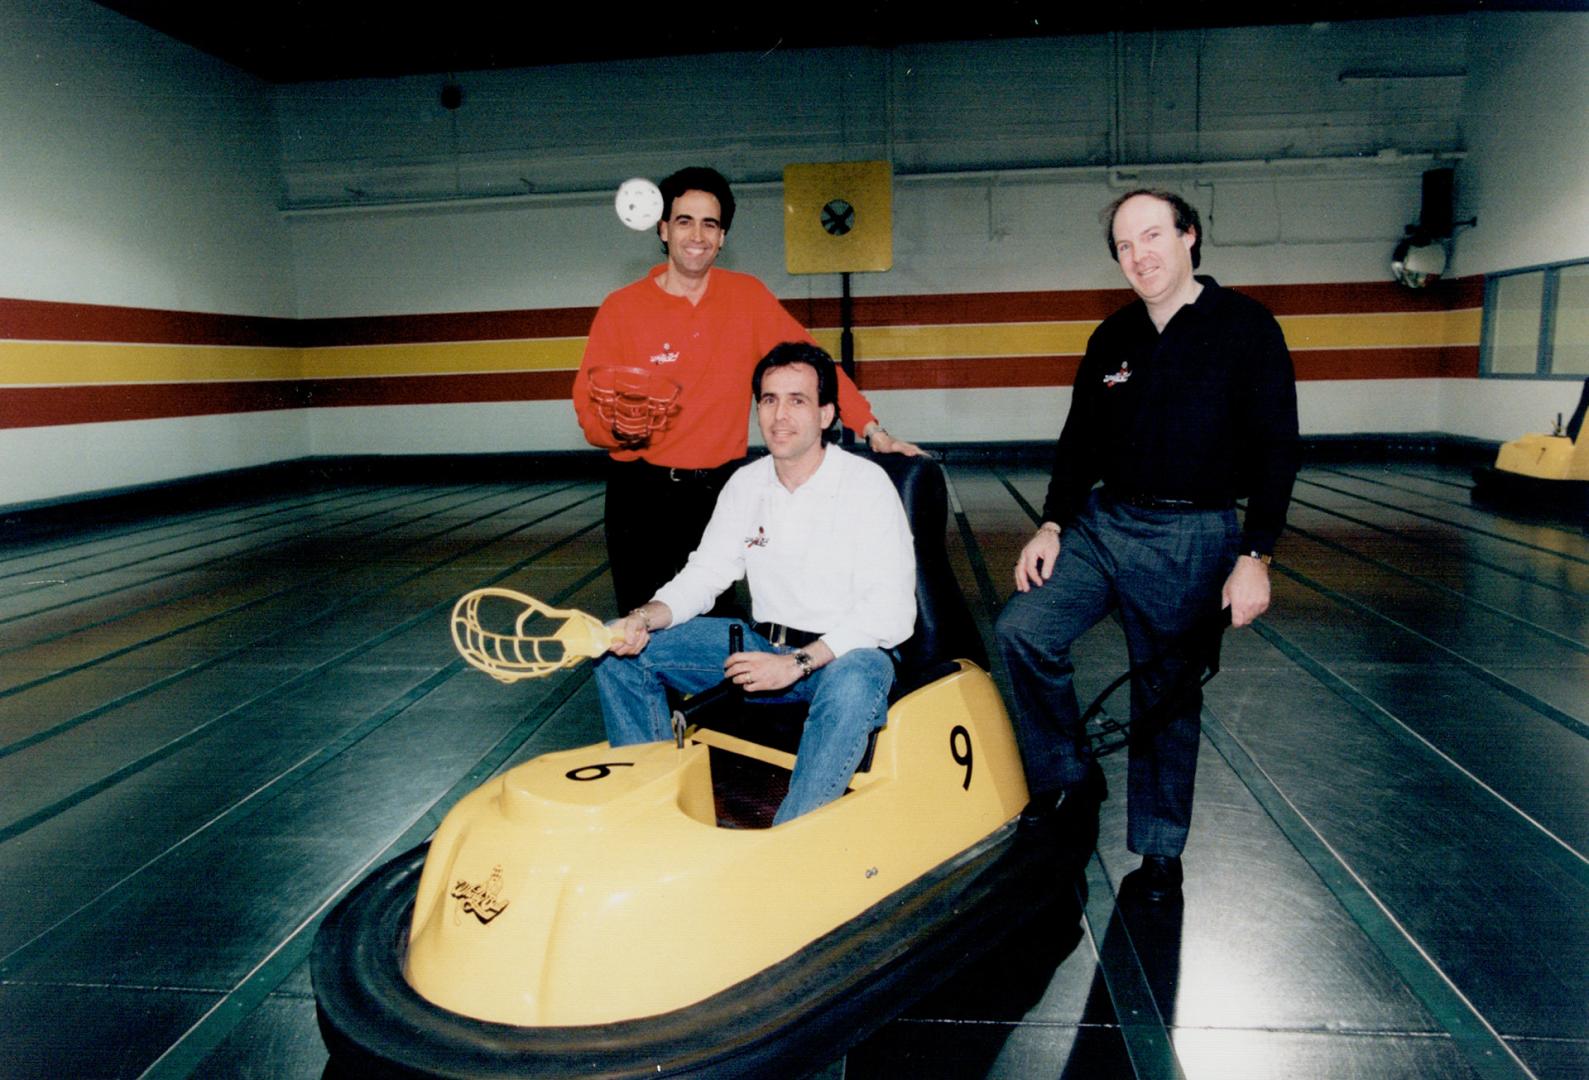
(1185, 401)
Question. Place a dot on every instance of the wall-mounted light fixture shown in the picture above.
(1420, 257)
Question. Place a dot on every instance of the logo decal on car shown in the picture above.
(484, 902)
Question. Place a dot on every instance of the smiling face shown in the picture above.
(1156, 260)
(791, 420)
(694, 233)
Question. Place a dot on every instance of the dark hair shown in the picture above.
(798, 352)
(1185, 218)
(699, 178)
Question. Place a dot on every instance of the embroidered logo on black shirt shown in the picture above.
(1118, 377)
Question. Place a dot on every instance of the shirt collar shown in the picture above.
(1207, 298)
(1199, 308)
(667, 297)
(826, 476)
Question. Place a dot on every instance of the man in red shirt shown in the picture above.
(703, 328)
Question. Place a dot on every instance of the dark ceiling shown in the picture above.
(301, 40)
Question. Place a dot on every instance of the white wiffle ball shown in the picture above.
(639, 204)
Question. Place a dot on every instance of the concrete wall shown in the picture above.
(1526, 178)
(1004, 153)
(134, 171)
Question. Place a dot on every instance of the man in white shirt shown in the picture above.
(822, 539)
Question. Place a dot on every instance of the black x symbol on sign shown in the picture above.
(838, 217)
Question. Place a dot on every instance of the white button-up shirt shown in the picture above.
(832, 557)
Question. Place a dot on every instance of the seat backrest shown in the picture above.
(1575, 425)
(944, 627)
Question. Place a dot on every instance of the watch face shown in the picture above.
(639, 204)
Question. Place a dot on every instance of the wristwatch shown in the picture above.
(1260, 556)
(803, 658)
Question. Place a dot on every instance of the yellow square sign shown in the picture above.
(838, 216)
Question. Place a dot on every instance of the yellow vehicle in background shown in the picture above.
(1542, 471)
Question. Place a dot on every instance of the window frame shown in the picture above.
(1544, 352)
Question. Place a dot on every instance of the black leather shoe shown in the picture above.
(1158, 879)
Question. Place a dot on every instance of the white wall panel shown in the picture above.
(1366, 406)
(1325, 408)
(979, 234)
(45, 463)
(1329, 88)
(488, 428)
(1503, 409)
(1526, 121)
(579, 127)
(1334, 89)
(133, 169)
(978, 105)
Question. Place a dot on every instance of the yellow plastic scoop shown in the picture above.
(509, 657)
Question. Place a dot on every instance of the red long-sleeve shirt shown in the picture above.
(710, 350)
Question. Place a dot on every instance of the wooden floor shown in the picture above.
(215, 718)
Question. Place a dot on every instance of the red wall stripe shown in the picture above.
(1448, 362)
(40, 320)
(47, 406)
(449, 326)
(441, 389)
(43, 320)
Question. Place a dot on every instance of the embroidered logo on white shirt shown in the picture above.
(668, 355)
(759, 540)
(1118, 377)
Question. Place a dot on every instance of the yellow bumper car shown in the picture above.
(629, 912)
(1542, 471)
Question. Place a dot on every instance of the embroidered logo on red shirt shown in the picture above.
(1118, 377)
(668, 355)
(759, 540)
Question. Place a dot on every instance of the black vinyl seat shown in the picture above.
(1575, 425)
(944, 630)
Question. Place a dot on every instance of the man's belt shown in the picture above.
(787, 636)
(1159, 502)
(678, 475)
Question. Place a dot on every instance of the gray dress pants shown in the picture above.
(1163, 571)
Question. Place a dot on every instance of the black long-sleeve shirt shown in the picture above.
(1205, 411)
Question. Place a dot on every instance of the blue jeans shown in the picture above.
(848, 700)
(1163, 570)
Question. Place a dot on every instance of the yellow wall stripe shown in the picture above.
(69, 363)
(32, 363)
(444, 358)
(1386, 330)
(968, 340)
